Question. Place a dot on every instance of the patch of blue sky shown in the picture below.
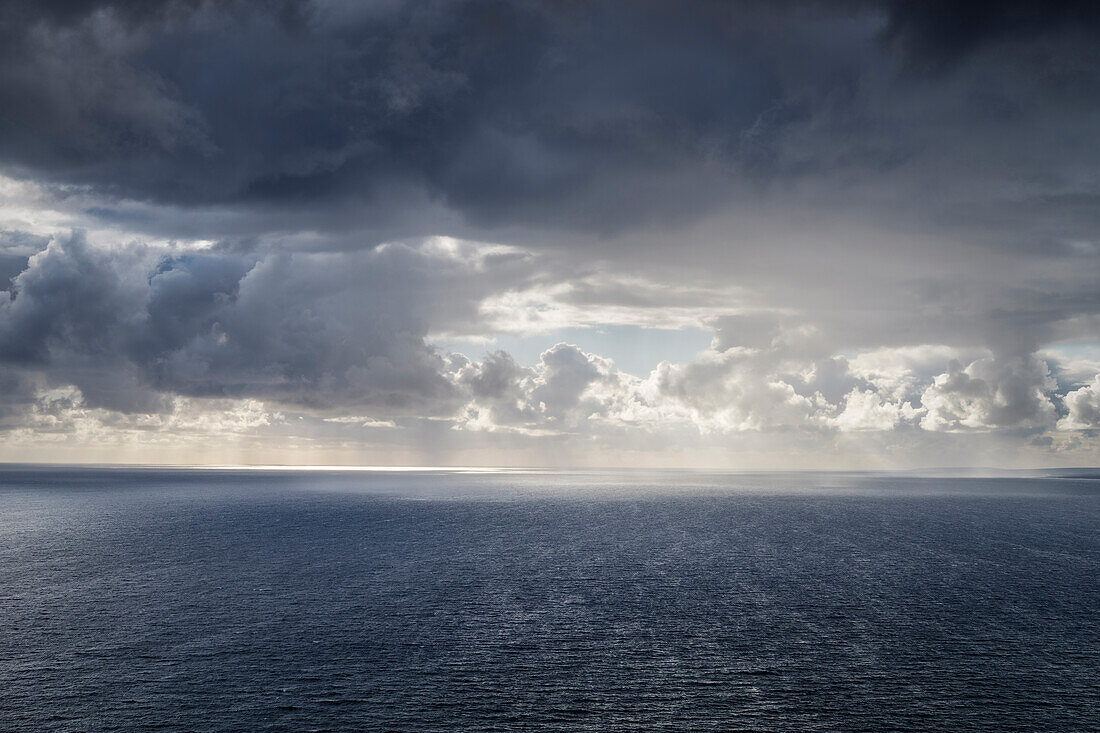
(634, 349)
(1089, 350)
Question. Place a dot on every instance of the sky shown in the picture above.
(786, 234)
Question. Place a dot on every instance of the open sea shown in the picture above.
(233, 600)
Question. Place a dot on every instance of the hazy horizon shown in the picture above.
(978, 472)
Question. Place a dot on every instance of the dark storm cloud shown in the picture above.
(507, 111)
(599, 116)
(941, 31)
(137, 12)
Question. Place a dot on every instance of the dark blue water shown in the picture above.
(203, 600)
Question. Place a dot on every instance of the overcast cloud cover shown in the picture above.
(270, 231)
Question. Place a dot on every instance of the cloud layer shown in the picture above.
(266, 218)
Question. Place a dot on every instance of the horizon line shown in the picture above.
(967, 471)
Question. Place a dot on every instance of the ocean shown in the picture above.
(239, 600)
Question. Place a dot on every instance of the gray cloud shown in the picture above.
(17, 394)
(314, 330)
(1083, 407)
(990, 393)
(15, 251)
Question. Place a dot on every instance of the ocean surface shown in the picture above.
(212, 600)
